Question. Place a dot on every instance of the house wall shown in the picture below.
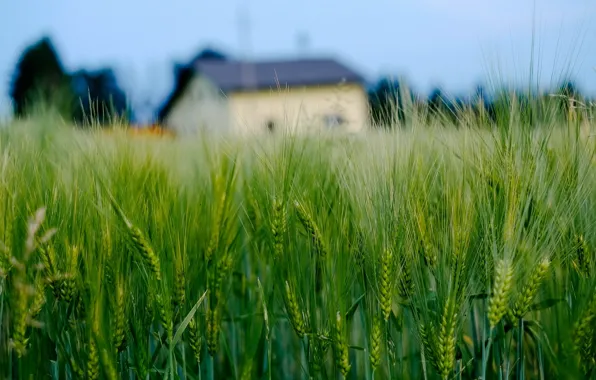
(299, 109)
(201, 107)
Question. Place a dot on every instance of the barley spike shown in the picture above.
(195, 340)
(445, 343)
(118, 313)
(278, 227)
(385, 284)
(375, 343)
(92, 361)
(213, 329)
(525, 298)
(144, 249)
(293, 310)
(340, 347)
(498, 301)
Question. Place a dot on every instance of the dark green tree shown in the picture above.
(568, 99)
(387, 103)
(480, 102)
(100, 98)
(210, 54)
(40, 80)
(440, 107)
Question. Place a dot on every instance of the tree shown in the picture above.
(437, 103)
(480, 102)
(568, 99)
(210, 54)
(40, 80)
(387, 102)
(444, 108)
(100, 98)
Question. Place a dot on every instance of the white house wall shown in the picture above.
(201, 107)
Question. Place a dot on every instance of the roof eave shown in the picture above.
(358, 81)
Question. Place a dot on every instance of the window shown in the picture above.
(333, 120)
(270, 126)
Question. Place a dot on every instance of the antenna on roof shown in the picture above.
(244, 40)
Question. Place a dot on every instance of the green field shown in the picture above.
(423, 253)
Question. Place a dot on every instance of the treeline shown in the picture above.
(394, 104)
(40, 83)
(95, 97)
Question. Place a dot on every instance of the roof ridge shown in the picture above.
(269, 61)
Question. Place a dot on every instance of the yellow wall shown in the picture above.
(299, 109)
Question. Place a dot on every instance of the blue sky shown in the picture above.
(448, 43)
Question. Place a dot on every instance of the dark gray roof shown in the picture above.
(237, 76)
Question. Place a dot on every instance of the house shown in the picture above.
(267, 96)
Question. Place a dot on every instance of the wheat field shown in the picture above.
(426, 253)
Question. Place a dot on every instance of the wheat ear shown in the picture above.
(143, 247)
(48, 259)
(213, 330)
(427, 340)
(375, 343)
(92, 360)
(445, 343)
(428, 250)
(525, 298)
(139, 243)
(165, 316)
(583, 335)
(19, 318)
(311, 229)
(406, 283)
(278, 227)
(385, 284)
(39, 299)
(195, 340)
(68, 286)
(179, 282)
(76, 369)
(340, 347)
(293, 310)
(118, 314)
(498, 302)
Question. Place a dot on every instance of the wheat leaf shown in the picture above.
(187, 319)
